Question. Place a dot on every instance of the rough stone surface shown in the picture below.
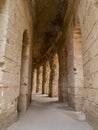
(85, 97)
(54, 76)
(15, 18)
(63, 59)
(39, 79)
(62, 85)
(46, 78)
(89, 29)
(34, 78)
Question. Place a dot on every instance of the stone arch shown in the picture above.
(24, 96)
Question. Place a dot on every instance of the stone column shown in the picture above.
(54, 75)
(34, 83)
(78, 70)
(46, 78)
(25, 74)
(39, 79)
(63, 86)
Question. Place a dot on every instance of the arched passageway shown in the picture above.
(47, 77)
(58, 41)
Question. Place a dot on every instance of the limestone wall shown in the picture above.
(3, 31)
(15, 18)
(85, 14)
(88, 14)
(74, 66)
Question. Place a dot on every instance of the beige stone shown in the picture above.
(49, 47)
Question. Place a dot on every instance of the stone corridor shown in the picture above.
(48, 47)
(47, 114)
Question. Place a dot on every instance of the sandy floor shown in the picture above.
(47, 114)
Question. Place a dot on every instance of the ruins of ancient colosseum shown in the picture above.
(48, 64)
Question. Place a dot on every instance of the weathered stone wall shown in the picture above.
(74, 66)
(77, 56)
(87, 11)
(78, 67)
(15, 18)
(88, 14)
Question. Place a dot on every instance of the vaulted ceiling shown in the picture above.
(49, 16)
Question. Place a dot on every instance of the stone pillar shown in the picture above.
(78, 69)
(54, 74)
(39, 79)
(46, 78)
(63, 86)
(34, 83)
(24, 97)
